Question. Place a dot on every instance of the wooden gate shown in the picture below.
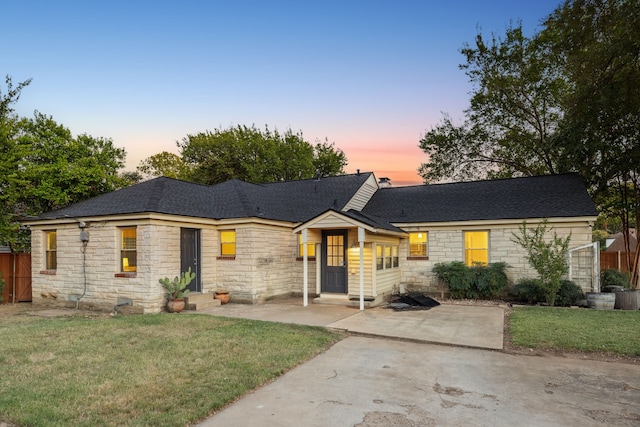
(16, 273)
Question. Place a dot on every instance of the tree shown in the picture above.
(566, 99)
(547, 257)
(597, 45)
(50, 169)
(510, 125)
(256, 156)
(164, 164)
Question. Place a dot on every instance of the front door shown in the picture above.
(190, 255)
(334, 261)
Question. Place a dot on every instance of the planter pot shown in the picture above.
(223, 296)
(175, 306)
(628, 300)
(601, 301)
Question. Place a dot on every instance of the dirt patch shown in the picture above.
(28, 309)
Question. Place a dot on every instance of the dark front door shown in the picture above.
(190, 255)
(334, 261)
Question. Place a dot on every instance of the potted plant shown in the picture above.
(176, 290)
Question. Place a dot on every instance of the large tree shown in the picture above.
(44, 167)
(512, 118)
(565, 99)
(256, 156)
(597, 45)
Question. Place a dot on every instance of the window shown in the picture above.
(335, 251)
(51, 251)
(418, 244)
(311, 248)
(394, 257)
(476, 247)
(228, 243)
(386, 257)
(128, 251)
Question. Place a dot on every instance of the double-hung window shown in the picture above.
(418, 244)
(228, 243)
(476, 247)
(51, 261)
(128, 250)
(311, 248)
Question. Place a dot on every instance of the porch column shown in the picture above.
(361, 242)
(305, 269)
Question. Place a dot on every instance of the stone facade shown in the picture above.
(266, 265)
(446, 244)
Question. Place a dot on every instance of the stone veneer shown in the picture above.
(446, 244)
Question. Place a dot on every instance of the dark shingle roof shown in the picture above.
(293, 201)
(517, 198)
(298, 201)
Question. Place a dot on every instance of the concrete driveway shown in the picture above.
(369, 382)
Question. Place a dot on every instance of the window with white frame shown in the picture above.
(476, 247)
(418, 244)
(386, 257)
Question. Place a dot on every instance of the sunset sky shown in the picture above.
(370, 76)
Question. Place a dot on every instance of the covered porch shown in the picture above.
(357, 256)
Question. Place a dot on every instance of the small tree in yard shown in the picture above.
(548, 258)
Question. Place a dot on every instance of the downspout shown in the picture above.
(84, 238)
(361, 243)
(305, 269)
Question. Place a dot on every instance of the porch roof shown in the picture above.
(349, 219)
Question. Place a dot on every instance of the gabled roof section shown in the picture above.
(293, 201)
(517, 198)
(351, 218)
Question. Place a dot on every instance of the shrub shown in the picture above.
(456, 276)
(2, 284)
(474, 282)
(568, 294)
(529, 291)
(613, 277)
(548, 258)
(490, 280)
(533, 291)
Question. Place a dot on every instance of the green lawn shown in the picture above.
(160, 370)
(613, 331)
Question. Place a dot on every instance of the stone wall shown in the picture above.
(446, 244)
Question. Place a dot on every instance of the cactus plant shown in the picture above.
(176, 288)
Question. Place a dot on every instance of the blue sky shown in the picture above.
(370, 76)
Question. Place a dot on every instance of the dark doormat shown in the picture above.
(411, 301)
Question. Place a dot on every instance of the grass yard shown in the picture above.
(609, 331)
(160, 370)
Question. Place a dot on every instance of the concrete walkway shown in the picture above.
(466, 326)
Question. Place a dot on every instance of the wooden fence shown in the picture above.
(16, 272)
(615, 260)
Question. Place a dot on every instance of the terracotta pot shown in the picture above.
(175, 306)
(222, 296)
